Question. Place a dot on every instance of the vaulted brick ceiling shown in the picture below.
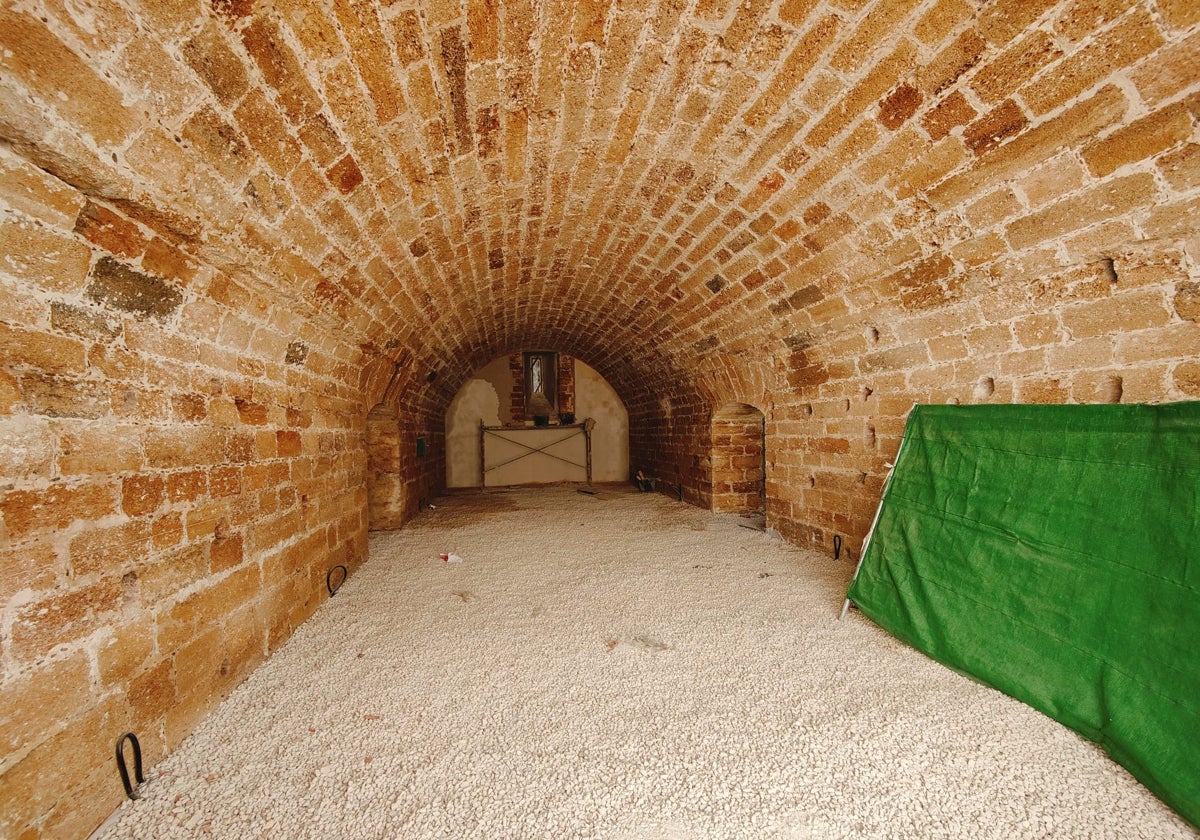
(647, 184)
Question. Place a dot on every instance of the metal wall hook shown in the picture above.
(130, 790)
(329, 580)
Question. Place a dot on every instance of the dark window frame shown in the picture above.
(549, 389)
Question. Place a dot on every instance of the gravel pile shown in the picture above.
(619, 666)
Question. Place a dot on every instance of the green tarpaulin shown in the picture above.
(1053, 552)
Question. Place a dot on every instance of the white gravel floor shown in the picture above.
(619, 666)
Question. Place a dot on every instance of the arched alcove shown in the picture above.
(739, 460)
(496, 395)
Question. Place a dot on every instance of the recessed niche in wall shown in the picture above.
(421, 447)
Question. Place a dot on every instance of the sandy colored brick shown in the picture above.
(1135, 37)
(1186, 300)
(36, 193)
(106, 448)
(1035, 145)
(1139, 140)
(32, 704)
(1179, 13)
(1181, 167)
(1055, 179)
(1004, 74)
(26, 511)
(1125, 312)
(950, 113)
(942, 18)
(268, 133)
(42, 256)
(1111, 199)
(1186, 377)
(61, 77)
(1004, 20)
(65, 616)
(66, 761)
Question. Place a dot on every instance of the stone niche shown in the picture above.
(738, 446)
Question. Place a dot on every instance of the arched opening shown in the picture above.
(524, 412)
(739, 453)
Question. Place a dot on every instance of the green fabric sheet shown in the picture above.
(1053, 552)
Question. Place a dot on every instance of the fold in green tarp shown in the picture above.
(1053, 552)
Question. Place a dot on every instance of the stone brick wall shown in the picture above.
(385, 481)
(182, 463)
(566, 384)
(737, 460)
(225, 223)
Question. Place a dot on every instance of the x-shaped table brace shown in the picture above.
(535, 450)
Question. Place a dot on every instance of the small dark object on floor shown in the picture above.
(762, 575)
(587, 492)
(837, 546)
(646, 485)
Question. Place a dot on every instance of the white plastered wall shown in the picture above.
(485, 397)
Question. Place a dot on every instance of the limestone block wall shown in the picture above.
(385, 483)
(182, 462)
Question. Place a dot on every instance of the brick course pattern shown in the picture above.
(226, 225)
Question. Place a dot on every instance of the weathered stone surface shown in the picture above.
(1187, 300)
(117, 285)
(84, 321)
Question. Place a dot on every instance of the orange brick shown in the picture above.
(26, 511)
